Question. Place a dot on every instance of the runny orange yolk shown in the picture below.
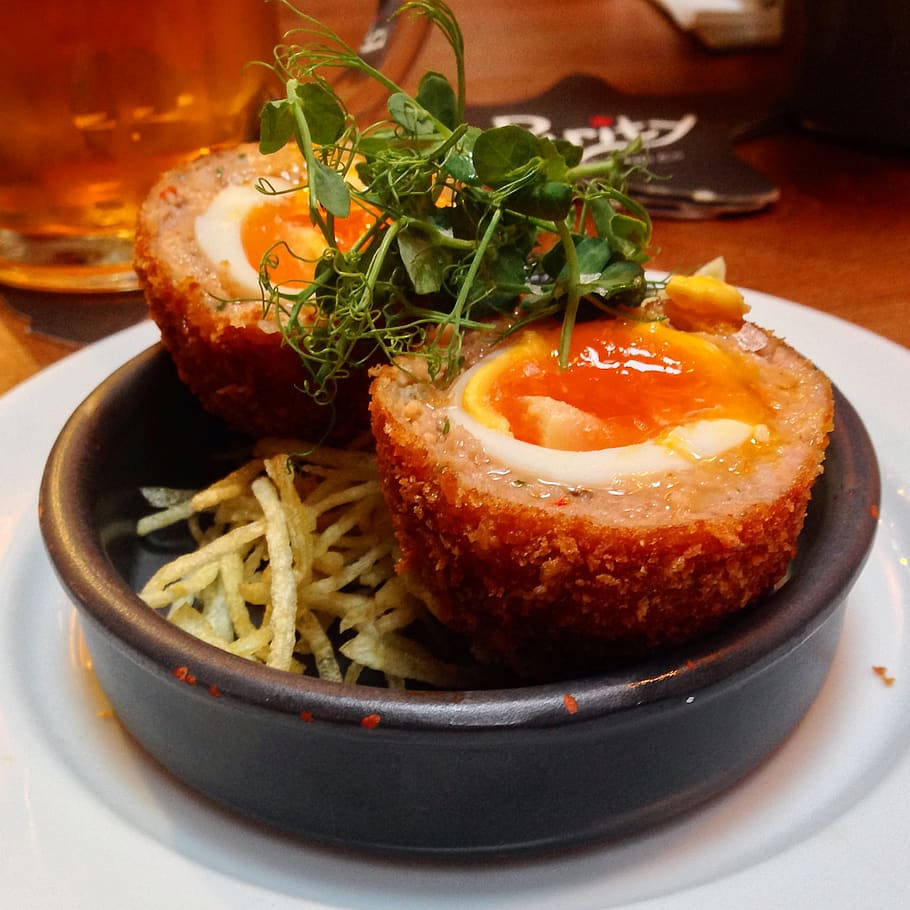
(288, 220)
(626, 382)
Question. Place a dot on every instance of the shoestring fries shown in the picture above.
(294, 567)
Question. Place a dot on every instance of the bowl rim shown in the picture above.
(759, 638)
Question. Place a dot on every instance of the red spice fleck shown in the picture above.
(883, 673)
(562, 501)
(184, 675)
(169, 192)
(370, 721)
(570, 703)
(596, 120)
(214, 690)
(307, 716)
(873, 511)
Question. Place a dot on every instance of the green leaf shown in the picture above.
(461, 168)
(459, 163)
(554, 262)
(502, 150)
(504, 274)
(371, 146)
(617, 278)
(593, 255)
(324, 115)
(424, 262)
(276, 126)
(570, 152)
(550, 200)
(330, 190)
(438, 97)
(555, 166)
(631, 229)
(406, 112)
(626, 234)
(633, 206)
(509, 267)
(602, 213)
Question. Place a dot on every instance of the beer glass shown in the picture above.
(97, 97)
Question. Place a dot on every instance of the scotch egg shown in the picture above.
(563, 518)
(201, 237)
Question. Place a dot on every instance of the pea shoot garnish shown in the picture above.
(467, 224)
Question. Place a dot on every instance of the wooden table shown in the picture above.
(838, 239)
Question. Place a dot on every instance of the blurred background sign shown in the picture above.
(687, 139)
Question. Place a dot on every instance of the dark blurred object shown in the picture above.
(852, 68)
(687, 140)
(79, 318)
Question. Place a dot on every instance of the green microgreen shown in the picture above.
(471, 229)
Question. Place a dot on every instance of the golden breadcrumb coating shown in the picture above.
(551, 579)
(229, 356)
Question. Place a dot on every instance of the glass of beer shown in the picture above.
(98, 97)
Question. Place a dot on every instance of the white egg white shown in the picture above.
(677, 449)
(218, 231)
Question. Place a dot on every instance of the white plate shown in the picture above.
(87, 820)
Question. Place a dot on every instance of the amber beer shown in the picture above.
(97, 97)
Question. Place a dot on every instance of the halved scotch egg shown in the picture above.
(201, 236)
(630, 502)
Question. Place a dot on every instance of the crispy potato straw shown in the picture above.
(295, 569)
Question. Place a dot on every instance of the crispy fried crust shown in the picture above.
(551, 586)
(230, 358)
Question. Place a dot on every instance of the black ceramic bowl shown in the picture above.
(457, 773)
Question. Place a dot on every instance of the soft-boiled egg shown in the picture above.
(242, 224)
(636, 398)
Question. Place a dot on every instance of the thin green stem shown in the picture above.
(574, 297)
(305, 144)
(372, 273)
(473, 269)
(438, 238)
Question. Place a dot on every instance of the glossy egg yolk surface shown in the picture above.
(626, 382)
(282, 228)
